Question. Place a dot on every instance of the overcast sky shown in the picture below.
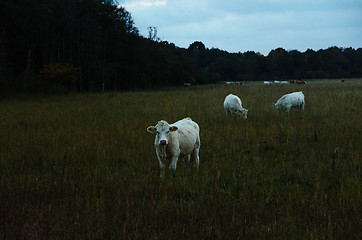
(252, 25)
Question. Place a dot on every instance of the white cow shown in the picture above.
(291, 100)
(179, 139)
(233, 104)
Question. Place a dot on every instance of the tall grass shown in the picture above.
(84, 166)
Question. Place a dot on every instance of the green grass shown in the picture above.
(84, 166)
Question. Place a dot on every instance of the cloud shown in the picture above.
(259, 25)
(262, 32)
(144, 3)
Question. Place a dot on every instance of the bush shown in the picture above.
(58, 76)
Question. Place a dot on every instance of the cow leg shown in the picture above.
(195, 153)
(173, 164)
(235, 113)
(195, 156)
(162, 172)
(187, 161)
(162, 168)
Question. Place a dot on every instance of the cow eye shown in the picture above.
(157, 132)
(168, 132)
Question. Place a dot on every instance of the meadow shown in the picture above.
(83, 166)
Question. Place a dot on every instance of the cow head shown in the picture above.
(162, 130)
(243, 113)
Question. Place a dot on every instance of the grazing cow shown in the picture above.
(268, 82)
(233, 104)
(281, 82)
(300, 82)
(179, 139)
(291, 100)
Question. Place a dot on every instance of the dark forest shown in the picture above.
(49, 46)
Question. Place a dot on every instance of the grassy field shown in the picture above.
(84, 166)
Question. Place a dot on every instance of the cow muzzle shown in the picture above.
(163, 142)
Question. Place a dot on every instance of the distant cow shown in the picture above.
(180, 139)
(291, 100)
(281, 82)
(300, 82)
(267, 82)
(233, 104)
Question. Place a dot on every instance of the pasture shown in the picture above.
(84, 166)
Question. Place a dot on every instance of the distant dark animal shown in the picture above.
(342, 80)
(300, 82)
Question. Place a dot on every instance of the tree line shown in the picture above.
(93, 45)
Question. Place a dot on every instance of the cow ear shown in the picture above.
(173, 128)
(151, 129)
